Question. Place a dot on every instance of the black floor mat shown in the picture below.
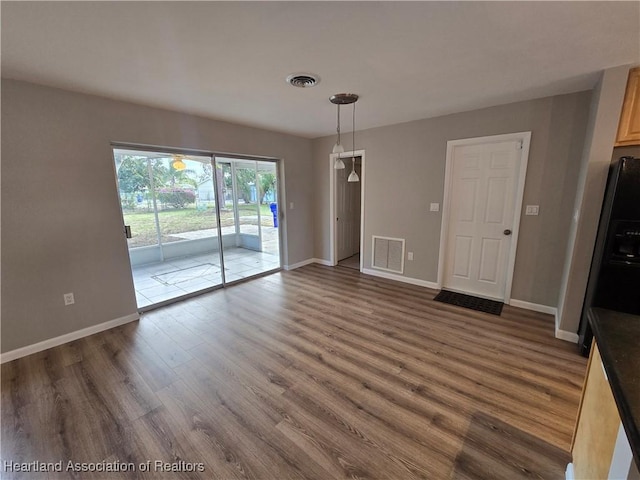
(468, 301)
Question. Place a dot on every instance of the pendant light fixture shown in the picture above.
(353, 176)
(341, 99)
(178, 163)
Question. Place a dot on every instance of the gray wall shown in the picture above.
(405, 166)
(604, 117)
(61, 219)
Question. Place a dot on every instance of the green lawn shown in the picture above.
(175, 221)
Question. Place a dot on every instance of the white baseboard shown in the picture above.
(567, 336)
(322, 261)
(561, 334)
(536, 307)
(66, 338)
(308, 261)
(400, 278)
(568, 474)
(299, 264)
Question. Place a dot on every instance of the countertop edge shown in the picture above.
(629, 422)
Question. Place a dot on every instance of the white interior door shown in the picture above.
(482, 202)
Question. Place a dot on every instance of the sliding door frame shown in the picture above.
(280, 198)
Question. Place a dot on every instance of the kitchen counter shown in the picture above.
(618, 338)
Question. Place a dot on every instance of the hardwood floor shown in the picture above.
(316, 373)
(351, 262)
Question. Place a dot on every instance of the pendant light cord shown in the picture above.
(338, 124)
(353, 162)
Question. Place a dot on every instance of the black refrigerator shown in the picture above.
(614, 278)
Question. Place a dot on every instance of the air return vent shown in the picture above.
(303, 80)
(388, 254)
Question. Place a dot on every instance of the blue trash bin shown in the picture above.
(274, 210)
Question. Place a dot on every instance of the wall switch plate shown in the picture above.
(291, 206)
(434, 207)
(532, 210)
(409, 255)
(68, 299)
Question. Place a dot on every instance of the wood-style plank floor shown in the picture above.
(317, 373)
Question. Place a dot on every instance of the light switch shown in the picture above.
(291, 206)
(435, 207)
(409, 255)
(532, 210)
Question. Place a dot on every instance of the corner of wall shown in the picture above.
(602, 127)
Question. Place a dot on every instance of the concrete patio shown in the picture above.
(158, 282)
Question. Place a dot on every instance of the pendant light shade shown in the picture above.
(177, 162)
(338, 164)
(353, 176)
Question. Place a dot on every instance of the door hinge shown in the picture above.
(520, 144)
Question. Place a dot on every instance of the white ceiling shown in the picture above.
(229, 60)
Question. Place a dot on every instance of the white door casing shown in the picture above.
(347, 213)
(343, 214)
(357, 209)
(358, 233)
(484, 183)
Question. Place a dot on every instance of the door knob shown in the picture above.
(507, 232)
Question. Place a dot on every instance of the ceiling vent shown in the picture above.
(303, 80)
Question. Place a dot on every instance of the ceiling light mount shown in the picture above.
(343, 98)
(303, 80)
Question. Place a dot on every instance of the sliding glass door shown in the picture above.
(194, 223)
(169, 209)
(249, 218)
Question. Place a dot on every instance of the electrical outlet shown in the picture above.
(532, 210)
(68, 299)
(410, 256)
(434, 207)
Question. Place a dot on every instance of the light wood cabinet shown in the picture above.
(629, 127)
(596, 430)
